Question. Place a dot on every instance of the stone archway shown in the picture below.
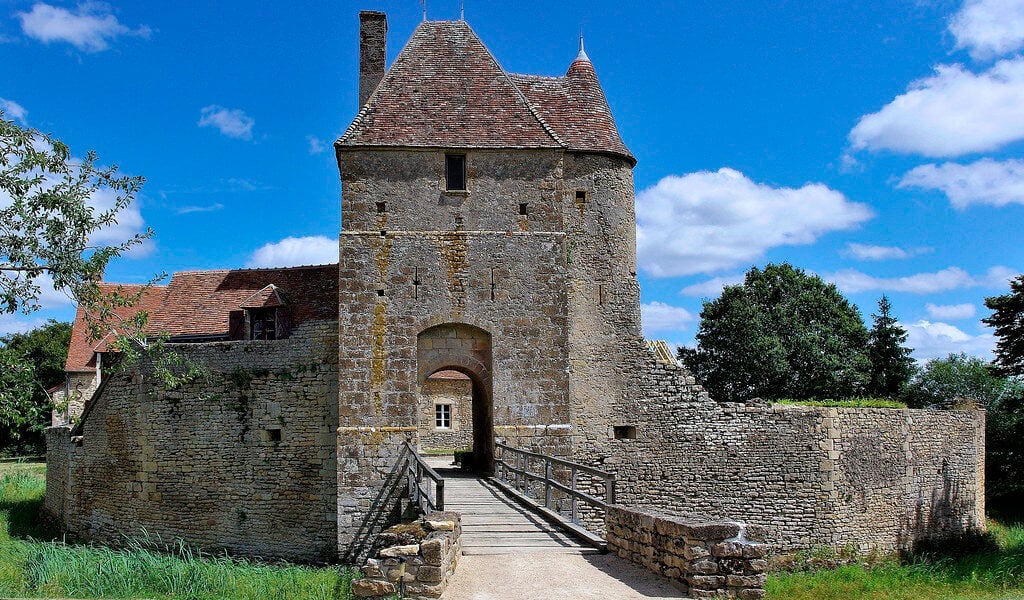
(466, 349)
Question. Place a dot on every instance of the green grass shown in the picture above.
(851, 403)
(979, 574)
(30, 567)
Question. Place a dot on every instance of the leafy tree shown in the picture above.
(53, 208)
(781, 334)
(946, 382)
(30, 363)
(891, 364)
(1008, 320)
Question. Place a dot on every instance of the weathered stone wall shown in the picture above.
(415, 558)
(435, 258)
(58, 455)
(458, 394)
(79, 387)
(244, 461)
(706, 559)
(874, 478)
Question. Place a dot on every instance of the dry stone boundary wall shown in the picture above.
(243, 462)
(870, 479)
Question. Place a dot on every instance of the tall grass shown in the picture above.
(33, 568)
(970, 573)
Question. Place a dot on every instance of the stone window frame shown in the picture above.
(443, 415)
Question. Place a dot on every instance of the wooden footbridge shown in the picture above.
(498, 515)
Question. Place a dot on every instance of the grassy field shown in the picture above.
(989, 574)
(33, 565)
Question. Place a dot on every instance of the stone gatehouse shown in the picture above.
(487, 230)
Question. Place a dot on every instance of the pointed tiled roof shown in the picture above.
(199, 303)
(446, 90)
(268, 297)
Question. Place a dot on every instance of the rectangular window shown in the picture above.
(263, 324)
(442, 416)
(455, 172)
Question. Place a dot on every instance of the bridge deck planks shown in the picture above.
(492, 523)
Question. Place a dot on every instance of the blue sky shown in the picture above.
(878, 145)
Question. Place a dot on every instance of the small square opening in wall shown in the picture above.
(271, 435)
(455, 172)
(382, 207)
(581, 196)
(624, 432)
(380, 292)
(524, 208)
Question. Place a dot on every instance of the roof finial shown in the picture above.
(424, 4)
(583, 53)
(462, 10)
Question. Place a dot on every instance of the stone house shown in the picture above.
(487, 230)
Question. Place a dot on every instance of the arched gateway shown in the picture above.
(466, 349)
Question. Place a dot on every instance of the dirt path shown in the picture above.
(530, 576)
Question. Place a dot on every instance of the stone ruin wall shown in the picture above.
(814, 477)
(200, 463)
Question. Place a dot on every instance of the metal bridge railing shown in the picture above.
(517, 468)
(416, 468)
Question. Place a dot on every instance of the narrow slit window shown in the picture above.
(524, 208)
(442, 416)
(455, 172)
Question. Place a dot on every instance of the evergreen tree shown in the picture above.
(1008, 320)
(891, 364)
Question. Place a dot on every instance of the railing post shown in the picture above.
(574, 516)
(439, 503)
(547, 484)
(609, 489)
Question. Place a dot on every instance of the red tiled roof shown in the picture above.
(576, 109)
(446, 90)
(82, 350)
(198, 303)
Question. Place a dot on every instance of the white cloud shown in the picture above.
(852, 281)
(936, 339)
(660, 317)
(703, 222)
(869, 252)
(950, 311)
(90, 28)
(983, 182)
(13, 110)
(13, 324)
(316, 145)
(998, 277)
(989, 28)
(293, 252)
(232, 122)
(951, 113)
(712, 287)
(199, 209)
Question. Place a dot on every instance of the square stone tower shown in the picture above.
(487, 228)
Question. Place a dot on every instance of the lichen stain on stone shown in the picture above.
(453, 248)
(377, 332)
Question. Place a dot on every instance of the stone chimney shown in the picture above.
(373, 31)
